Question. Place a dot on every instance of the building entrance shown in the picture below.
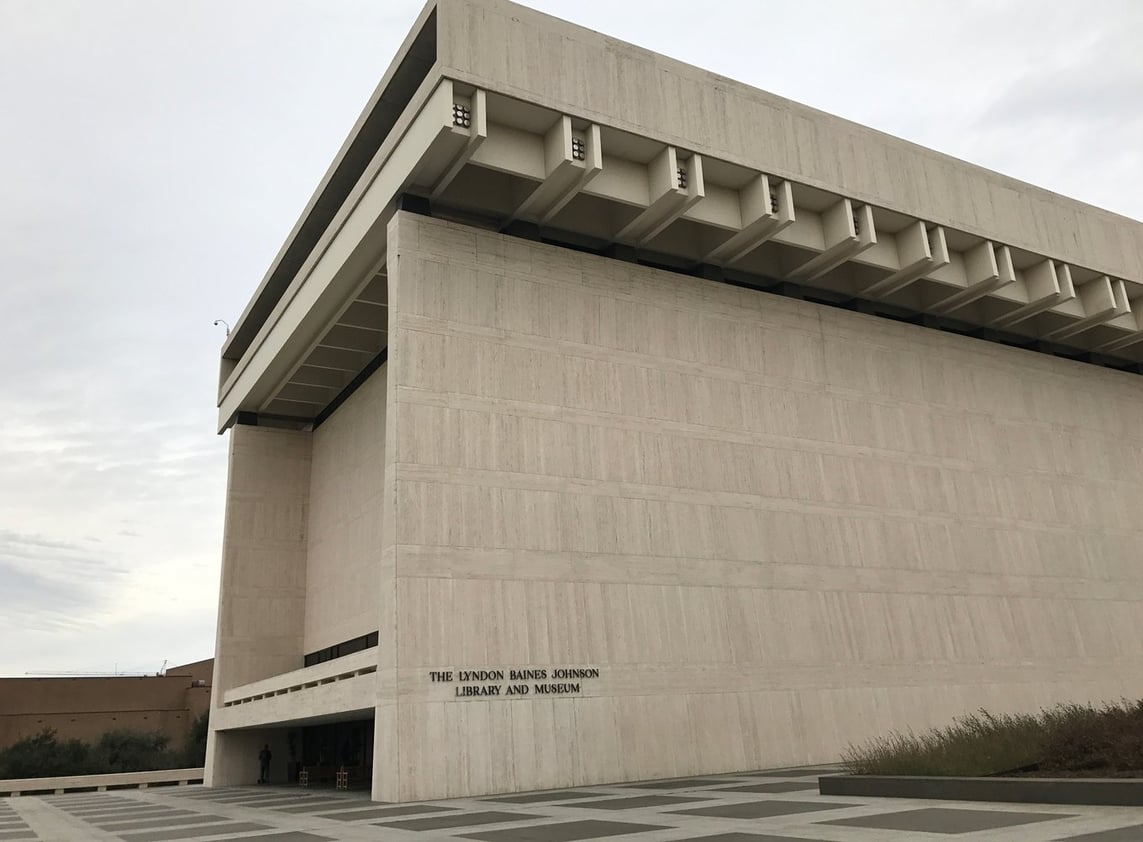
(336, 747)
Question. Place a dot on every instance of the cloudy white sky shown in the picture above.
(154, 154)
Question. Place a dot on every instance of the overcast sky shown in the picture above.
(154, 154)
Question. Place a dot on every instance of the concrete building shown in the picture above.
(604, 419)
(87, 707)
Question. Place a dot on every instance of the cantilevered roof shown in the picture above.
(412, 65)
(506, 117)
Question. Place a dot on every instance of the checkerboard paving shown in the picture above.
(777, 805)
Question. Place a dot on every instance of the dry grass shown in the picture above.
(1066, 740)
(1103, 741)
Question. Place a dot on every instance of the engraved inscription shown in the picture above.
(514, 681)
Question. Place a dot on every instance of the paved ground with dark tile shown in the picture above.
(564, 831)
(779, 805)
(462, 819)
(228, 828)
(763, 809)
(749, 837)
(680, 783)
(777, 786)
(942, 820)
(1122, 834)
(383, 812)
(636, 803)
(536, 797)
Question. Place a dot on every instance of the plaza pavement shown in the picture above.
(763, 806)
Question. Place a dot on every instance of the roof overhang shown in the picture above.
(508, 160)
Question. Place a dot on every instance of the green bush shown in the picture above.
(194, 752)
(45, 755)
(1066, 740)
(134, 751)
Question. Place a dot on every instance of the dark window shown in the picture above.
(338, 650)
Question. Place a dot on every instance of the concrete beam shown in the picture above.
(325, 352)
(470, 120)
(1045, 285)
(1129, 321)
(846, 232)
(983, 269)
(673, 186)
(571, 160)
(1102, 300)
(919, 251)
(764, 210)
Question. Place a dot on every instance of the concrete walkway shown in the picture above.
(766, 806)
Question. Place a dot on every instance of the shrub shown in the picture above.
(194, 752)
(44, 755)
(133, 751)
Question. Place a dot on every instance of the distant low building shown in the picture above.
(86, 707)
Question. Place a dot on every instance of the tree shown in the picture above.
(194, 752)
(134, 751)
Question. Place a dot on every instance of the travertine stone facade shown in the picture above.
(774, 526)
(262, 596)
(708, 528)
(344, 530)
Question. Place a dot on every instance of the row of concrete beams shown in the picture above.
(358, 333)
(671, 186)
(451, 130)
(345, 258)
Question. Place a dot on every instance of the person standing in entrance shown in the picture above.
(264, 764)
